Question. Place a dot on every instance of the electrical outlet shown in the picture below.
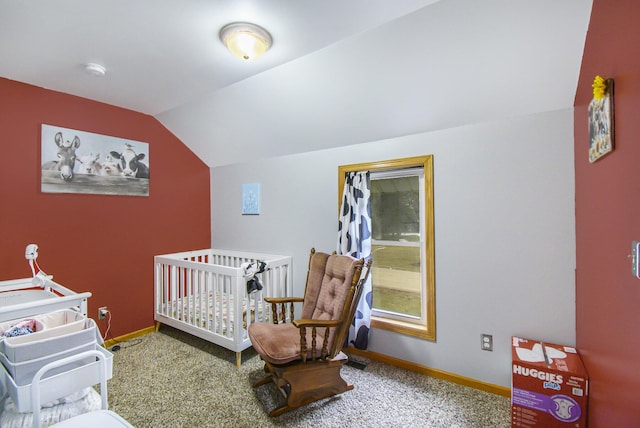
(102, 313)
(635, 259)
(486, 342)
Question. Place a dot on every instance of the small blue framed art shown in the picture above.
(251, 199)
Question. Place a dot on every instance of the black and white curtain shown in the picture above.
(354, 238)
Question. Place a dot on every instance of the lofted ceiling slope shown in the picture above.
(339, 72)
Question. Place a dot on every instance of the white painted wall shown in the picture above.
(504, 224)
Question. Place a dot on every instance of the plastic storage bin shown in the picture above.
(24, 358)
(47, 325)
(37, 326)
(77, 373)
(60, 322)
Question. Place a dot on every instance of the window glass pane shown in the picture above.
(396, 280)
(395, 209)
(395, 214)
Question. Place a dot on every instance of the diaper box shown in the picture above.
(549, 385)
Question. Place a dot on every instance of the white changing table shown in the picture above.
(19, 298)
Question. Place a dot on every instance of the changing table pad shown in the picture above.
(24, 296)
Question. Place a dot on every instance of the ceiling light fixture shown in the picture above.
(246, 41)
(95, 69)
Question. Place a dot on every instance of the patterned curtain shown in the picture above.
(354, 238)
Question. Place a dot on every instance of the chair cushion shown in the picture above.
(336, 282)
(280, 343)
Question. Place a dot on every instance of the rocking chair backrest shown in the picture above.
(317, 267)
(335, 290)
(357, 288)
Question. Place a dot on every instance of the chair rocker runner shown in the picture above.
(303, 357)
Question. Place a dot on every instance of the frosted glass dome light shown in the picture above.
(246, 41)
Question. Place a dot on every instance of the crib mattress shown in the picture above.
(196, 310)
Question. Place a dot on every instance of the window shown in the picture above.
(403, 273)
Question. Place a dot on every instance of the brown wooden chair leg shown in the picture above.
(268, 378)
(280, 410)
(265, 380)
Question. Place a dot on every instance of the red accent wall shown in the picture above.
(99, 243)
(608, 220)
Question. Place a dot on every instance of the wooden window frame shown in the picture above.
(428, 330)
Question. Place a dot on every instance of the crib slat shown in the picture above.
(228, 307)
(218, 302)
(188, 297)
(208, 296)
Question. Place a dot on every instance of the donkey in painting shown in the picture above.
(66, 157)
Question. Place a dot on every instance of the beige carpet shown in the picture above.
(172, 379)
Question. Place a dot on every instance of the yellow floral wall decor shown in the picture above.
(601, 118)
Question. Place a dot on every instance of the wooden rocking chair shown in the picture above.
(303, 356)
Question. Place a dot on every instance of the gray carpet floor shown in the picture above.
(172, 379)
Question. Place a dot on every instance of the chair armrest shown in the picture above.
(302, 324)
(280, 316)
(283, 299)
(316, 323)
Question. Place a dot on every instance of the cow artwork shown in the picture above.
(68, 167)
(66, 157)
(131, 163)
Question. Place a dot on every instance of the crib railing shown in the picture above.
(204, 292)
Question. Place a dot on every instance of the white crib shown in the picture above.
(204, 293)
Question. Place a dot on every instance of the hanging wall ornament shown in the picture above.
(601, 119)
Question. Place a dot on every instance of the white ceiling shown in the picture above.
(339, 72)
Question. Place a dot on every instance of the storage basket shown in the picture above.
(23, 359)
(47, 325)
(51, 385)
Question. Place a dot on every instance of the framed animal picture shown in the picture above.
(601, 119)
(74, 161)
